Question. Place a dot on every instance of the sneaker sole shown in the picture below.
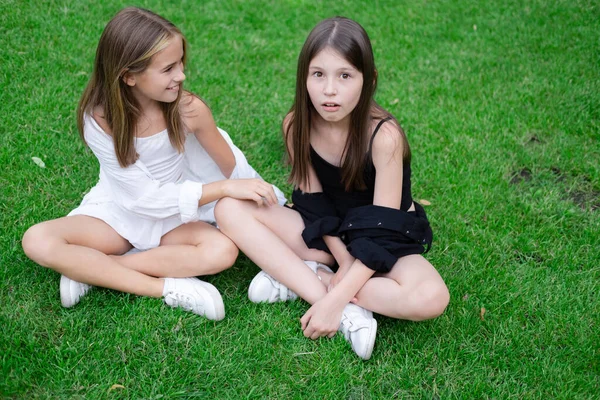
(371, 341)
(65, 293)
(219, 306)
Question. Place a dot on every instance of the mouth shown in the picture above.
(176, 87)
(331, 107)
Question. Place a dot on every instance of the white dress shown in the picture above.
(160, 191)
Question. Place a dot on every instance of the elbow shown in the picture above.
(228, 169)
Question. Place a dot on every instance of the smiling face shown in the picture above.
(334, 85)
(161, 80)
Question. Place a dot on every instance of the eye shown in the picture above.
(345, 76)
(170, 67)
(317, 74)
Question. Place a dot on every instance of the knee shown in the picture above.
(223, 252)
(431, 299)
(38, 244)
(225, 211)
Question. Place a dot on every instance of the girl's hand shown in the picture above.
(322, 319)
(257, 190)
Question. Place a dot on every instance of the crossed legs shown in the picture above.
(88, 250)
(271, 237)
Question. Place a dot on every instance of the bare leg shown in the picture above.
(193, 249)
(271, 238)
(412, 290)
(86, 250)
(77, 247)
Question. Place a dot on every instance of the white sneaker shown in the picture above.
(266, 289)
(72, 291)
(359, 328)
(194, 295)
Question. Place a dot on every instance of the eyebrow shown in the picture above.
(344, 69)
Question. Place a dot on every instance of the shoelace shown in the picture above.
(181, 300)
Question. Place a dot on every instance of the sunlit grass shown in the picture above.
(500, 104)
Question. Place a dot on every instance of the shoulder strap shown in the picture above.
(375, 133)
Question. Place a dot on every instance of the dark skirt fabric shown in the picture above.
(377, 236)
(319, 216)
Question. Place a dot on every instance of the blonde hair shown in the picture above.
(127, 45)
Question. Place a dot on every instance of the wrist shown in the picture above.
(224, 188)
(338, 297)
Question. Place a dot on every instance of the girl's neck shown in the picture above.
(331, 131)
(149, 107)
(329, 140)
(151, 121)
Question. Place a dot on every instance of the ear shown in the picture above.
(129, 79)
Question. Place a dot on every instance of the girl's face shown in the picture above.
(334, 85)
(161, 80)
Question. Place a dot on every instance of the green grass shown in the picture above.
(500, 101)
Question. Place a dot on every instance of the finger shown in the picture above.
(268, 194)
(272, 195)
(304, 321)
(354, 300)
(263, 196)
(331, 335)
(308, 332)
(257, 198)
(315, 335)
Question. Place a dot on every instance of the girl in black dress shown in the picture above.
(352, 207)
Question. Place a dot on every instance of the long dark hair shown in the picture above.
(127, 45)
(351, 41)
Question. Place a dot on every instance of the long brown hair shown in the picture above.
(351, 41)
(127, 45)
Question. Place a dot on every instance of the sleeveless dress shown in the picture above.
(376, 235)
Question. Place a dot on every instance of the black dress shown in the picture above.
(376, 235)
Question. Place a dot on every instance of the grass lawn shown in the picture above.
(501, 104)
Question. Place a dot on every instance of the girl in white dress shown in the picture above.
(163, 165)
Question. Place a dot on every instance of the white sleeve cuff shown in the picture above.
(189, 196)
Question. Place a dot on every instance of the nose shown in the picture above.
(329, 89)
(180, 77)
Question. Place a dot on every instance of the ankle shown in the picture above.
(162, 287)
(324, 276)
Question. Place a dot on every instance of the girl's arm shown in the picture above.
(198, 120)
(387, 153)
(257, 190)
(135, 189)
